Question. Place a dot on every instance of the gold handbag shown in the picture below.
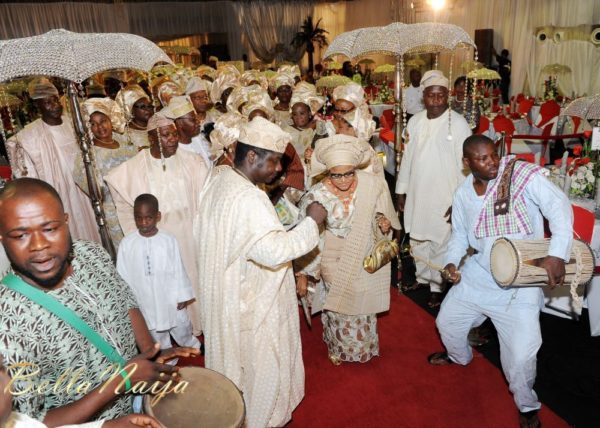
(382, 253)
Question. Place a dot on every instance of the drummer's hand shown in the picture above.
(555, 266)
(147, 370)
(301, 284)
(131, 421)
(452, 273)
(182, 351)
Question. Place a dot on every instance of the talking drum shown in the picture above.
(514, 263)
(209, 401)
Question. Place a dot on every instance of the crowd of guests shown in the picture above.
(228, 195)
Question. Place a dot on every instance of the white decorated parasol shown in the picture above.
(584, 107)
(76, 56)
(399, 39)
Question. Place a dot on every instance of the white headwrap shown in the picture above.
(223, 81)
(178, 107)
(166, 90)
(158, 121)
(225, 133)
(206, 70)
(360, 118)
(351, 92)
(196, 84)
(434, 78)
(292, 70)
(127, 97)
(281, 79)
(306, 93)
(258, 99)
(41, 88)
(339, 150)
(238, 97)
(108, 107)
(250, 76)
(264, 134)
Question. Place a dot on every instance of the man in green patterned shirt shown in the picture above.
(58, 374)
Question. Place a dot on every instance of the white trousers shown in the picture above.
(182, 333)
(518, 328)
(434, 253)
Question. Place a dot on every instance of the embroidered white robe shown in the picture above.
(248, 295)
(48, 153)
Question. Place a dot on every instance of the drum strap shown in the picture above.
(53, 306)
(502, 203)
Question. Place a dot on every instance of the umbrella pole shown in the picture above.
(94, 189)
(398, 111)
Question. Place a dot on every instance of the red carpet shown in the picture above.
(400, 388)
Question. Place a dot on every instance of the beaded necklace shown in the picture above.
(344, 199)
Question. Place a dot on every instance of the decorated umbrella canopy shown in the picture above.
(399, 39)
(333, 65)
(483, 74)
(76, 57)
(332, 81)
(556, 69)
(584, 107)
(415, 62)
(366, 61)
(385, 68)
(471, 65)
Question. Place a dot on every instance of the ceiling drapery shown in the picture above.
(153, 20)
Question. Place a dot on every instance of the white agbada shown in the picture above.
(49, 152)
(153, 268)
(248, 295)
(430, 172)
(177, 189)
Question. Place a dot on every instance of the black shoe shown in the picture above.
(529, 419)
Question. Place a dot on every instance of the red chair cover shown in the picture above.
(387, 136)
(583, 223)
(484, 125)
(387, 119)
(524, 107)
(504, 124)
(548, 111)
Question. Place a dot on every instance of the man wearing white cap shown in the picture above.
(176, 178)
(247, 288)
(46, 149)
(182, 111)
(430, 172)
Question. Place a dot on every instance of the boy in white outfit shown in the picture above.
(150, 262)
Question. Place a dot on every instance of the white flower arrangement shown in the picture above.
(583, 180)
